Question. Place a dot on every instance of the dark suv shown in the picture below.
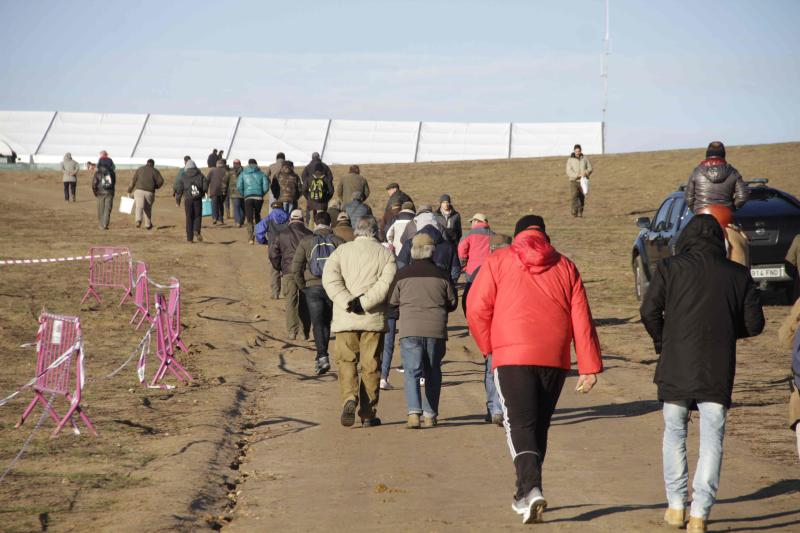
(770, 218)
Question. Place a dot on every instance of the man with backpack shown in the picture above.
(287, 187)
(103, 184)
(307, 267)
(178, 179)
(266, 232)
(281, 254)
(317, 188)
(253, 185)
(192, 186)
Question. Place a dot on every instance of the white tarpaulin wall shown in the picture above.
(132, 139)
(262, 138)
(539, 140)
(23, 130)
(167, 138)
(362, 141)
(455, 141)
(85, 134)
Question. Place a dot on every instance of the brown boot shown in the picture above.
(696, 525)
(675, 517)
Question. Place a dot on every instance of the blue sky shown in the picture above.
(681, 73)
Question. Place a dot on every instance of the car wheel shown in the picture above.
(640, 278)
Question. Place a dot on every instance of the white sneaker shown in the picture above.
(400, 369)
(531, 507)
(385, 385)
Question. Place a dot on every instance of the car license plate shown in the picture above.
(768, 273)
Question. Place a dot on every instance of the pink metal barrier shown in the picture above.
(174, 313)
(165, 345)
(110, 267)
(141, 295)
(57, 341)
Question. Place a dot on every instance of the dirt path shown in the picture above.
(305, 472)
(255, 444)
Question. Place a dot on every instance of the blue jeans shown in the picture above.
(422, 358)
(388, 348)
(238, 210)
(709, 463)
(492, 398)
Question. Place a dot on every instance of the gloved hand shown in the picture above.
(354, 306)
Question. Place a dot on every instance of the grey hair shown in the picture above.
(366, 227)
(422, 252)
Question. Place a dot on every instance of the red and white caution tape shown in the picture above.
(54, 259)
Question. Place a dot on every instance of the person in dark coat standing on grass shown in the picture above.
(449, 219)
(211, 162)
(192, 187)
(698, 304)
(104, 183)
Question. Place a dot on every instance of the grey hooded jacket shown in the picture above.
(714, 181)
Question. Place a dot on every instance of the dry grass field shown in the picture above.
(178, 459)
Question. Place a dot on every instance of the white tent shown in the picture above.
(456, 141)
(168, 138)
(24, 130)
(263, 138)
(84, 135)
(363, 141)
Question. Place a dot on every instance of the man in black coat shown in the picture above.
(698, 304)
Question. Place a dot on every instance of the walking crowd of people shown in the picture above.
(376, 279)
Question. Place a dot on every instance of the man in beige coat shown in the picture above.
(356, 278)
(578, 166)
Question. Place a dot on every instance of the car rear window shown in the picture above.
(767, 203)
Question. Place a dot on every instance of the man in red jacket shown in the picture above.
(526, 308)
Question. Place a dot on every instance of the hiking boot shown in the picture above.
(139, 224)
(531, 507)
(429, 421)
(323, 365)
(497, 419)
(413, 421)
(385, 385)
(696, 525)
(149, 227)
(199, 238)
(675, 517)
(349, 413)
(371, 422)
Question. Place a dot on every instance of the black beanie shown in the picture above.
(528, 221)
(715, 149)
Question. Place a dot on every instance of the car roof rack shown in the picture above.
(758, 181)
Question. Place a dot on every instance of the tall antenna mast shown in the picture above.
(604, 75)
